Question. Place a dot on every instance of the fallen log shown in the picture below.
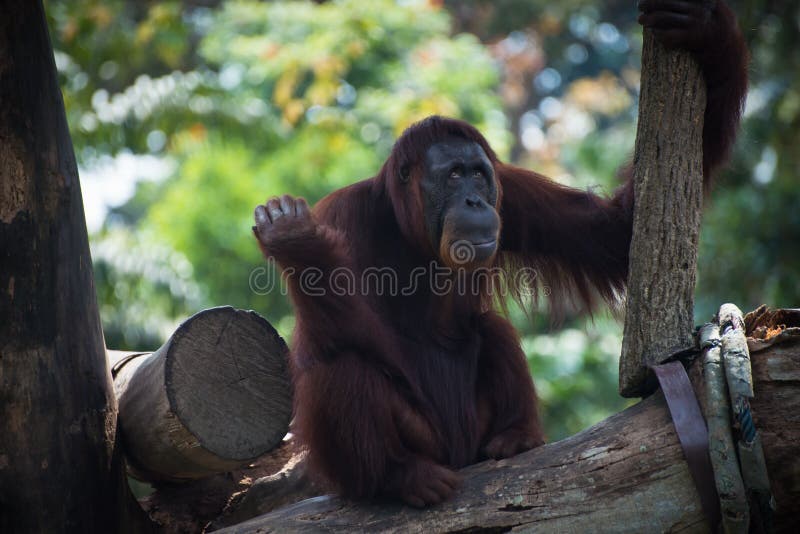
(192, 505)
(213, 398)
(625, 474)
(286, 486)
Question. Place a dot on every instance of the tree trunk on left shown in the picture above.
(60, 467)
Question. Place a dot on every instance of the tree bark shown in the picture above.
(722, 448)
(668, 192)
(191, 506)
(60, 464)
(625, 474)
(213, 398)
(286, 486)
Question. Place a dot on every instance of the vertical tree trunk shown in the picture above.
(668, 192)
(60, 468)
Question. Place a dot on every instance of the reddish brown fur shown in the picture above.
(393, 391)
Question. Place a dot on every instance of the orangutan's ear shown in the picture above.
(405, 174)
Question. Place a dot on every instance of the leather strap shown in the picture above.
(692, 433)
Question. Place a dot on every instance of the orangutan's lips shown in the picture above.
(484, 245)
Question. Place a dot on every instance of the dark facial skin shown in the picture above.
(459, 193)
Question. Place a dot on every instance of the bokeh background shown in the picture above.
(186, 114)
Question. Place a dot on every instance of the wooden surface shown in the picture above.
(722, 448)
(578, 484)
(626, 474)
(668, 192)
(190, 506)
(60, 467)
(776, 412)
(286, 486)
(215, 396)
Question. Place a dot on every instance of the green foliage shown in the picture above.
(595, 159)
(110, 56)
(144, 288)
(575, 371)
(749, 245)
(251, 99)
(329, 103)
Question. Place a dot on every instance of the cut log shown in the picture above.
(668, 193)
(213, 398)
(625, 474)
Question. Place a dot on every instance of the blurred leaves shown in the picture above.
(144, 288)
(243, 100)
(253, 99)
(750, 242)
(574, 369)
